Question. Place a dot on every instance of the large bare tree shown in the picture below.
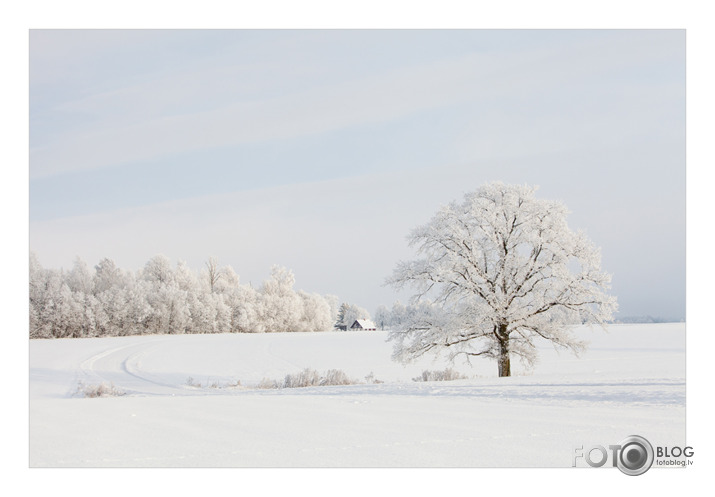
(497, 272)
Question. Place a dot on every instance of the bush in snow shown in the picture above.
(192, 382)
(309, 378)
(101, 390)
(371, 378)
(306, 378)
(268, 384)
(336, 377)
(214, 384)
(447, 375)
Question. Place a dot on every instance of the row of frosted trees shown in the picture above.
(161, 298)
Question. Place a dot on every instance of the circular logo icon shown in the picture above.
(636, 456)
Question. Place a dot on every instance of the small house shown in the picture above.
(363, 324)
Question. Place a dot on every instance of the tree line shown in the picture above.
(164, 298)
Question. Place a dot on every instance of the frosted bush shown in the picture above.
(192, 383)
(371, 378)
(309, 378)
(101, 390)
(447, 375)
(306, 378)
(268, 384)
(336, 377)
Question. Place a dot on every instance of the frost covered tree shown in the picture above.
(497, 272)
(158, 270)
(167, 295)
(382, 317)
(245, 304)
(80, 278)
(213, 273)
(44, 285)
(334, 304)
(340, 319)
(397, 313)
(315, 313)
(107, 276)
(280, 306)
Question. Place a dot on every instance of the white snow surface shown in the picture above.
(631, 380)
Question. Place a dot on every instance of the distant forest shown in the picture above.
(165, 298)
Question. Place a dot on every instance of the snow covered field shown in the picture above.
(631, 380)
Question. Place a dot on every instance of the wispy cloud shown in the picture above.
(154, 117)
(129, 138)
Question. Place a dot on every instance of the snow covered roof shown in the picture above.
(365, 324)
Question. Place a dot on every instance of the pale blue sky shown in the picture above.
(320, 150)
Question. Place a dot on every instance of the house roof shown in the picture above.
(364, 323)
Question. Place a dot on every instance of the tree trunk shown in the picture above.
(504, 362)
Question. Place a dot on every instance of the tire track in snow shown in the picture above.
(88, 369)
(131, 366)
(121, 367)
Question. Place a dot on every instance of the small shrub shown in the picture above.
(447, 375)
(309, 378)
(336, 377)
(192, 383)
(268, 384)
(101, 390)
(306, 378)
(371, 378)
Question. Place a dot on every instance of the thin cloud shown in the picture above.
(150, 120)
